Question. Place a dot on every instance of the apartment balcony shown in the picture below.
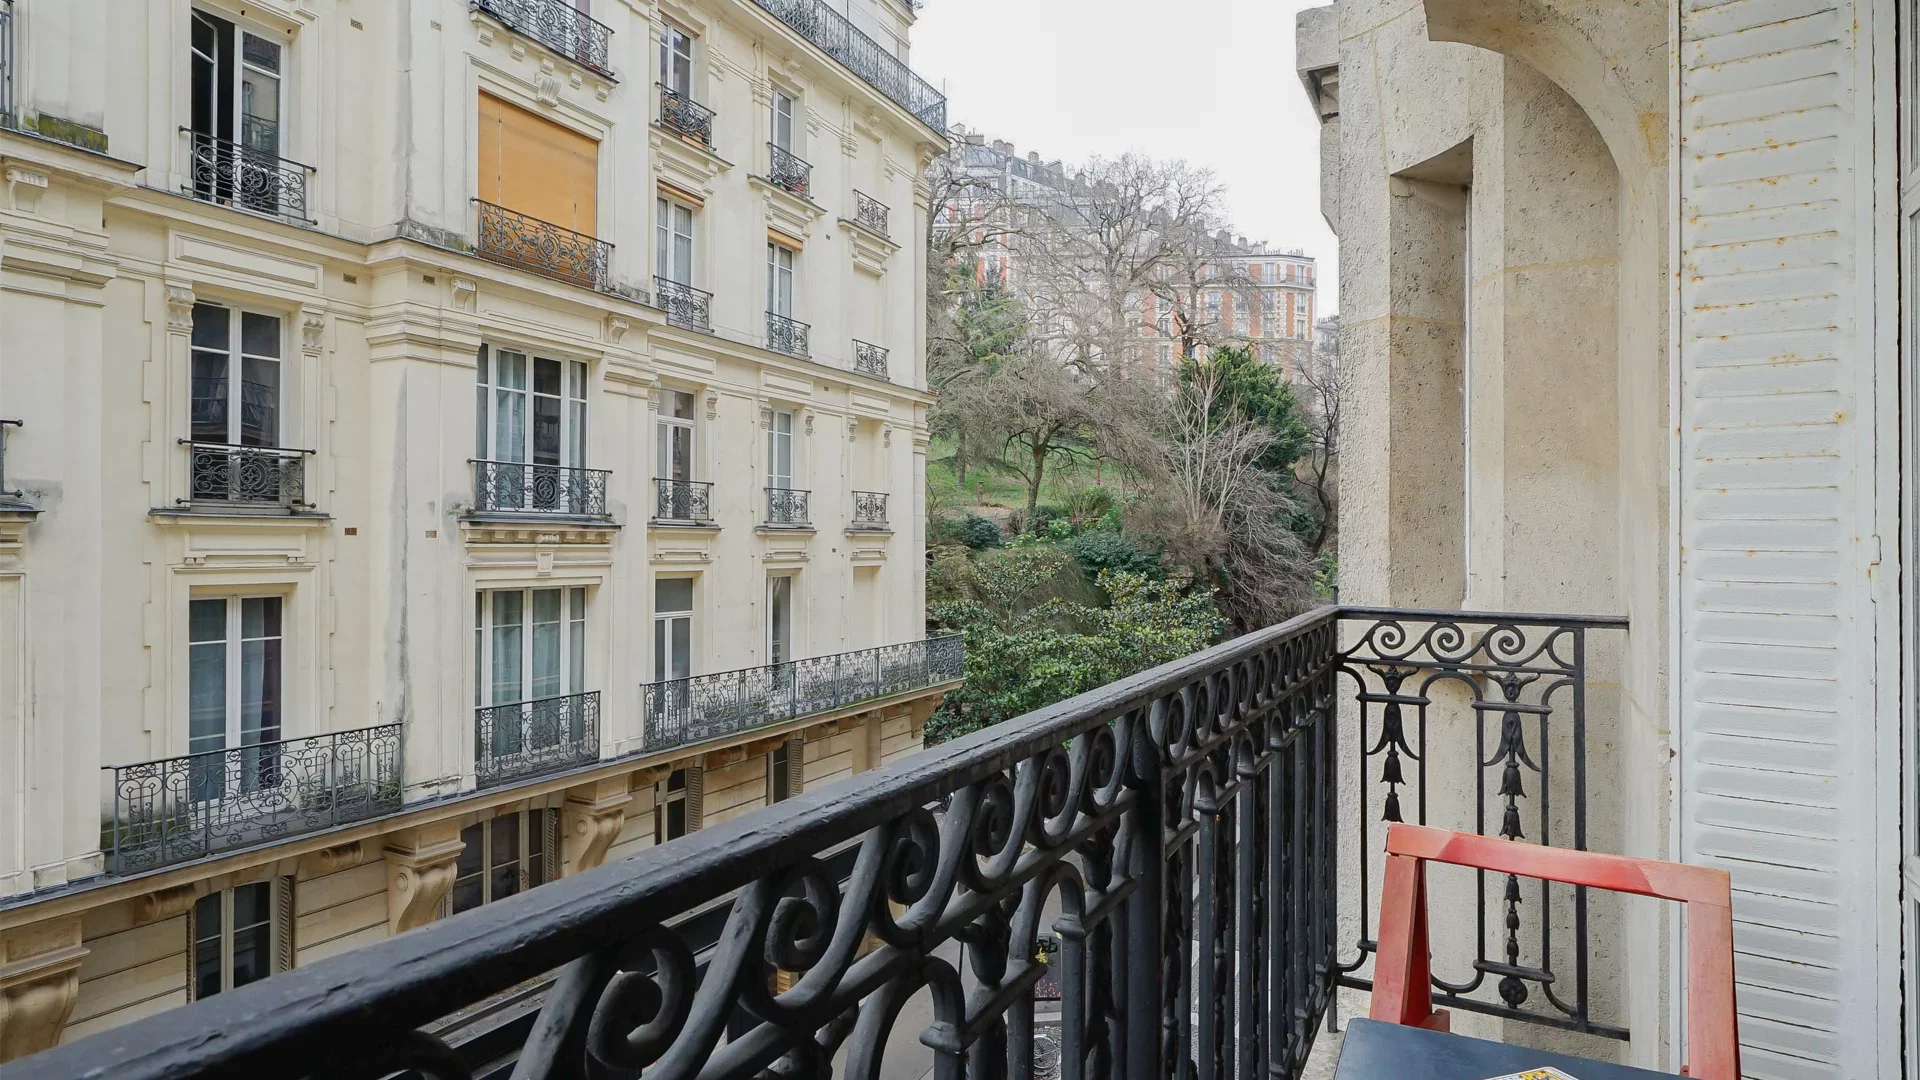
(195, 805)
(247, 178)
(541, 247)
(246, 477)
(870, 212)
(687, 307)
(863, 56)
(684, 116)
(682, 502)
(682, 712)
(871, 360)
(789, 172)
(789, 508)
(869, 510)
(558, 25)
(1192, 847)
(534, 738)
(786, 335)
(515, 487)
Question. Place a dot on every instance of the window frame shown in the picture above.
(534, 822)
(664, 421)
(778, 95)
(574, 646)
(279, 910)
(779, 620)
(776, 298)
(668, 52)
(663, 620)
(667, 237)
(575, 377)
(235, 123)
(235, 356)
(233, 643)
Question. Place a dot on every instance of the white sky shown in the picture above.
(1216, 86)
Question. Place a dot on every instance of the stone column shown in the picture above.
(592, 818)
(39, 982)
(421, 866)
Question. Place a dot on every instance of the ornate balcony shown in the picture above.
(680, 712)
(558, 25)
(789, 172)
(510, 237)
(788, 506)
(232, 174)
(870, 212)
(195, 805)
(684, 116)
(10, 498)
(875, 65)
(534, 738)
(869, 359)
(682, 502)
(869, 509)
(515, 487)
(687, 307)
(786, 335)
(247, 475)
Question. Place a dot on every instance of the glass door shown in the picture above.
(234, 648)
(672, 646)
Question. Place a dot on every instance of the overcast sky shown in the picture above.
(1214, 85)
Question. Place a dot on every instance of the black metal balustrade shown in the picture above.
(533, 738)
(187, 807)
(234, 174)
(1187, 825)
(679, 712)
(247, 475)
(870, 509)
(515, 486)
(685, 116)
(871, 360)
(789, 172)
(870, 212)
(510, 237)
(788, 506)
(786, 335)
(863, 56)
(686, 307)
(557, 24)
(684, 501)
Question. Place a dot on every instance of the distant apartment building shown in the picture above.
(447, 445)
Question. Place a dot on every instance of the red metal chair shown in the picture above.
(1403, 992)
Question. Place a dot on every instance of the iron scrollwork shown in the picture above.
(520, 487)
(510, 237)
(870, 212)
(788, 506)
(685, 116)
(870, 360)
(789, 172)
(877, 66)
(247, 475)
(686, 307)
(786, 335)
(533, 738)
(689, 501)
(233, 174)
(559, 25)
(870, 508)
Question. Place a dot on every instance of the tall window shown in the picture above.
(541, 420)
(780, 451)
(510, 854)
(779, 619)
(780, 279)
(529, 644)
(676, 805)
(233, 688)
(236, 92)
(676, 60)
(1213, 309)
(674, 249)
(240, 935)
(783, 770)
(675, 428)
(672, 628)
(783, 120)
(236, 377)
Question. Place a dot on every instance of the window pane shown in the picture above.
(546, 430)
(682, 648)
(259, 335)
(546, 643)
(209, 405)
(211, 327)
(480, 406)
(676, 819)
(260, 617)
(252, 904)
(260, 691)
(504, 859)
(259, 402)
(673, 594)
(682, 404)
(577, 646)
(206, 946)
(260, 52)
(252, 955)
(508, 615)
(207, 676)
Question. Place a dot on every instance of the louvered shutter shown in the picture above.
(696, 782)
(283, 924)
(796, 766)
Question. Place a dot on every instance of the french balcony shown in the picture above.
(682, 502)
(687, 307)
(682, 115)
(788, 507)
(786, 335)
(541, 247)
(515, 487)
(870, 212)
(247, 476)
(246, 177)
(871, 360)
(558, 25)
(1189, 855)
(860, 54)
(534, 738)
(10, 498)
(789, 172)
(682, 712)
(195, 805)
(869, 509)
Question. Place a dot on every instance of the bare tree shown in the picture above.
(1323, 384)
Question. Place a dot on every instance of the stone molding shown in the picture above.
(39, 983)
(419, 876)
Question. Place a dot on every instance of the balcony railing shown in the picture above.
(1202, 834)
(518, 487)
(534, 738)
(510, 237)
(788, 506)
(870, 509)
(786, 335)
(863, 56)
(870, 212)
(685, 116)
(247, 475)
(195, 805)
(870, 359)
(687, 502)
(679, 712)
(789, 172)
(687, 307)
(6, 64)
(7, 494)
(233, 174)
(558, 25)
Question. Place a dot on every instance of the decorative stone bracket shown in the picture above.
(39, 982)
(421, 866)
(592, 817)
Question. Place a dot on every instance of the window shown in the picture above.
(675, 428)
(783, 120)
(780, 619)
(545, 423)
(233, 348)
(676, 60)
(510, 854)
(1213, 309)
(233, 689)
(672, 628)
(676, 805)
(538, 168)
(528, 645)
(1270, 354)
(674, 250)
(783, 770)
(1165, 358)
(780, 279)
(240, 935)
(780, 451)
(235, 114)
(1300, 322)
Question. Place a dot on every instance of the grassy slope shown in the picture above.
(994, 486)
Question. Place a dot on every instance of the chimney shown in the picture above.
(1000, 147)
(1239, 241)
(1033, 157)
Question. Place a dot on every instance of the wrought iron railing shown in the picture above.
(683, 115)
(510, 237)
(679, 712)
(870, 212)
(7, 493)
(788, 506)
(870, 509)
(870, 359)
(557, 24)
(533, 738)
(863, 56)
(233, 174)
(788, 171)
(686, 307)
(188, 807)
(684, 501)
(786, 335)
(515, 486)
(248, 475)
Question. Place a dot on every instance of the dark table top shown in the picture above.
(1377, 1051)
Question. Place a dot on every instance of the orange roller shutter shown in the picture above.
(537, 167)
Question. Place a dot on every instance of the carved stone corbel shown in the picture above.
(332, 860)
(593, 817)
(180, 308)
(161, 905)
(39, 982)
(421, 866)
(313, 331)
